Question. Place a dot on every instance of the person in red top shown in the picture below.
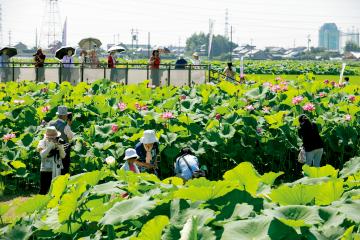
(154, 62)
(39, 58)
(112, 66)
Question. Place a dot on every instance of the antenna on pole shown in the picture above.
(1, 33)
(10, 38)
(226, 32)
(308, 42)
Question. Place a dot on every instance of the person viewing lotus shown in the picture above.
(130, 161)
(39, 59)
(154, 62)
(148, 150)
(63, 125)
(312, 141)
(51, 152)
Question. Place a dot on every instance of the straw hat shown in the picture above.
(51, 132)
(195, 54)
(130, 153)
(148, 137)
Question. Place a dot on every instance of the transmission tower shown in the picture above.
(1, 34)
(134, 38)
(51, 32)
(226, 33)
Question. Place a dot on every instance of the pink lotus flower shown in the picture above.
(348, 117)
(218, 116)
(277, 78)
(45, 109)
(326, 81)
(19, 101)
(333, 83)
(322, 94)
(114, 128)
(284, 88)
(144, 108)
(284, 83)
(9, 136)
(182, 97)
(249, 107)
(167, 115)
(341, 85)
(275, 88)
(309, 107)
(267, 84)
(121, 106)
(266, 109)
(44, 90)
(297, 100)
(351, 98)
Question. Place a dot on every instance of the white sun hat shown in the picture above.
(148, 137)
(130, 153)
(51, 132)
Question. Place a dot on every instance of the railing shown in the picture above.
(127, 73)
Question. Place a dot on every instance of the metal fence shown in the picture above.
(127, 73)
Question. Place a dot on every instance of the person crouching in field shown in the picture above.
(148, 150)
(130, 161)
(312, 141)
(51, 154)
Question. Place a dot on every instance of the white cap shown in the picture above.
(148, 137)
(130, 153)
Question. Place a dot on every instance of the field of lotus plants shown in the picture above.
(238, 127)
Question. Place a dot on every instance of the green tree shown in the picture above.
(220, 44)
(351, 46)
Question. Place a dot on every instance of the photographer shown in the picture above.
(51, 152)
(62, 124)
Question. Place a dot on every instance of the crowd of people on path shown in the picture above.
(55, 149)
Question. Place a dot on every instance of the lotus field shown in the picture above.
(246, 135)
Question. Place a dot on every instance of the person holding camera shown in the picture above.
(51, 153)
(63, 125)
(187, 165)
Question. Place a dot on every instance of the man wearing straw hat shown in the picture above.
(51, 154)
(148, 150)
(62, 124)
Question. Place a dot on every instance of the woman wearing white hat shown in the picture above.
(51, 154)
(148, 150)
(131, 159)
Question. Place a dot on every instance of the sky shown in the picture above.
(282, 23)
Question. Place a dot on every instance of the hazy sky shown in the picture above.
(267, 22)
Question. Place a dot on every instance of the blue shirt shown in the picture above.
(182, 169)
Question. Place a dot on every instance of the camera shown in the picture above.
(60, 141)
(69, 116)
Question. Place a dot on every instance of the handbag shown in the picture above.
(302, 156)
(197, 173)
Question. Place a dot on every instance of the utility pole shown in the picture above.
(149, 45)
(36, 38)
(179, 45)
(118, 38)
(231, 33)
(9, 38)
(251, 47)
(308, 42)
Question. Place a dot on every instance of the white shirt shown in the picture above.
(67, 61)
(50, 164)
(196, 62)
(181, 168)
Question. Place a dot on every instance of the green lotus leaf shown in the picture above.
(152, 229)
(246, 175)
(297, 195)
(255, 228)
(329, 192)
(296, 216)
(317, 172)
(127, 209)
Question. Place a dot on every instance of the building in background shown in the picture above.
(329, 37)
